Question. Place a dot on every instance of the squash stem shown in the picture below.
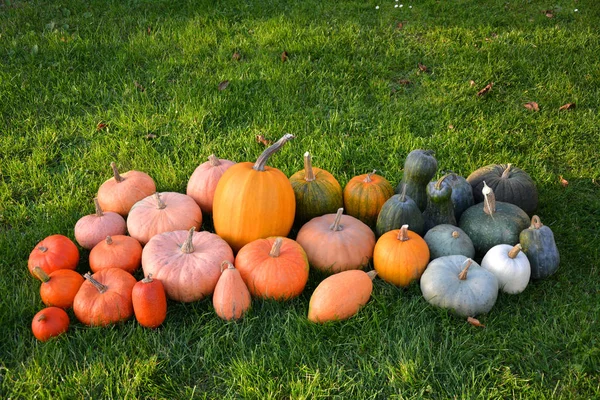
(514, 251)
(99, 212)
(372, 274)
(108, 240)
(368, 178)
(116, 174)
(261, 162)
(41, 274)
(403, 193)
(463, 274)
(489, 199)
(228, 264)
(455, 234)
(160, 203)
(101, 287)
(309, 174)
(506, 172)
(214, 161)
(188, 246)
(276, 249)
(336, 222)
(148, 279)
(438, 184)
(42, 318)
(536, 223)
(403, 234)
(43, 249)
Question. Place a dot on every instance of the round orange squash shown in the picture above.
(231, 298)
(53, 253)
(119, 251)
(122, 191)
(364, 195)
(59, 288)
(254, 201)
(50, 322)
(203, 182)
(92, 229)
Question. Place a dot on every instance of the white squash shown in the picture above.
(510, 265)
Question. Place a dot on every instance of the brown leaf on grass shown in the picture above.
(150, 136)
(263, 140)
(568, 106)
(451, 127)
(149, 30)
(563, 181)
(422, 68)
(223, 85)
(532, 106)
(404, 82)
(139, 86)
(284, 56)
(475, 322)
(549, 13)
(101, 125)
(485, 89)
(399, 25)
(236, 56)
(472, 83)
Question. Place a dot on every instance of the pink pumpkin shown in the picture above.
(203, 182)
(92, 229)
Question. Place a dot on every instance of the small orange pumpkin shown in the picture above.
(273, 268)
(117, 251)
(92, 229)
(122, 191)
(364, 195)
(203, 182)
(400, 256)
(149, 302)
(53, 253)
(231, 298)
(59, 288)
(50, 322)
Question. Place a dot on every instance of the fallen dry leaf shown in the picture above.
(549, 13)
(236, 56)
(284, 56)
(422, 68)
(150, 136)
(485, 89)
(399, 25)
(568, 106)
(404, 82)
(472, 83)
(563, 181)
(149, 30)
(100, 126)
(223, 85)
(139, 86)
(451, 127)
(263, 140)
(475, 322)
(532, 106)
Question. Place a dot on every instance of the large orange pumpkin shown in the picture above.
(273, 268)
(122, 191)
(52, 253)
(254, 201)
(400, 256)
(364, 195)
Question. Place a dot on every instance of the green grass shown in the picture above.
(67, 66)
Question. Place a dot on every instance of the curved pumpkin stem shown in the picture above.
(99, 212)
(489, 199)
(368, 178)
(276, 249)
(261, 162)
(41, 274)
(372, 274)
(118, 177)
(438, 184)
(336, 222)
(42, 318)
(160, 203)
(403, 234)
(228, 264)
(101, 287)
(536, 223)
(214, 161)
(463, 274)
(506, 172)
(309, 174)
(188, 246)
(148, 279)
(514, 251)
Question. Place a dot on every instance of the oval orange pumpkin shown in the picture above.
(122, 191)
(364, 195)
(53, 253)
(117, 251)
(203, 182)
(59, 288)
(231, 298)
(254, 201)
(149, 302)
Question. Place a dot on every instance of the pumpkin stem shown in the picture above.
(108, 240)
(506, 172)
(148, 279)
(309, 174)
(372, 274)
(455, 234)
(160, 204)
(188, 246)
(43, 249)
(536, 223)
(276, 249)
(336, 222)
(403, 234)
(99, 212)
(228, 264)
(101, 288)
(403, 193)
(261, 162)
(42, 318)
(514, 251)
(368, 178)
(214, 161)
(118, 177)
(463, 274)
(438, 184)
(489, 206)
(41, 274)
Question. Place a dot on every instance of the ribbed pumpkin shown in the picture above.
(400, 210)
(231, 298)
(400, 256)
(364, 195)
(539, 246)
(273, 268)
(254, 201)
(337, 242)
(49, 322)
(149, 302)
(92, 229)
(317, 192)
(510, 185)
(203, 182)
(122, 191)
(440, 209)
(446, 240)
(162, 212)
(187, 263)
(419, 168)
(59, 288)
(118, 251)
(52, 253)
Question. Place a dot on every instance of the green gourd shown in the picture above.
(538, 244)
(419, 168)
(462, 193)
(399, 210)
(440, 209)
(447, 240)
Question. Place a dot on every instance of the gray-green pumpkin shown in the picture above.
(399, 210)
(446, 240)
(440, 209)
(419, 168)
(538, 244)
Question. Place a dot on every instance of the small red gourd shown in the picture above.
(203, 182)
(364, 195)
(117, 251)
(149, 302)
(92, 229)
(122, 191)
(58, 288)
(231, 298)
(52, 253)
(49, 322)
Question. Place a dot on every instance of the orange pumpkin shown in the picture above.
(254, 201)
(53, 253)
(117, 251)
(337, 242)
(50, 322)
(92, 229)
(187, 263)
(104, 298)
(162, 212)
(400, 256)
(203, 182)
(231, 298)
(364, 195)
(149, 302)
(122, 191)
(273, 268)
(59, 288)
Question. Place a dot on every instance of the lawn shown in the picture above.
(141, 83)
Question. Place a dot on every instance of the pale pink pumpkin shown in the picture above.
(162, 212)
(122, 191)
(203, 182)
(188, 263)
(92, 229)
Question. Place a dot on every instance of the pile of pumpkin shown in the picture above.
(254, 207)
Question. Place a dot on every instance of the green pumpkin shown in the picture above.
(399, 210)
(440, 209)
(510, 185)
(419, 168)
(538, 244)
(446, 240)
(317, 192)
(462, 193)
(493, 222)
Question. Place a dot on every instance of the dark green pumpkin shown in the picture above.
(440, 209)
(447, 240)
(399, 210)
(493, 222)
(510, 185)
(317, 192)
(537, 242)
(462, 194)
(419, 168)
